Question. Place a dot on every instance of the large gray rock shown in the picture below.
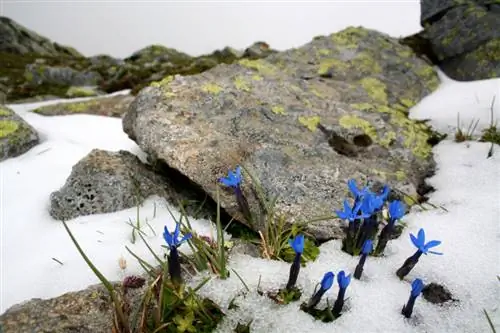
(358, 84)
(16, 135)
(86, 311)
(37, 74)
(464, 37)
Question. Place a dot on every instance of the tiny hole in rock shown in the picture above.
(362, 140)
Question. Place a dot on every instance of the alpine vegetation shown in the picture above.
(365, 217)
(422, 248)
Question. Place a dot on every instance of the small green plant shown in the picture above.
(168, 305)
(274, 231)
(461, 136)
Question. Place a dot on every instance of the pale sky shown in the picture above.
(119, 28)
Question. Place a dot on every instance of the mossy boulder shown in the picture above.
(16, 135)
(74, 92)
(304, 120)
(114, 106)
(462, 37)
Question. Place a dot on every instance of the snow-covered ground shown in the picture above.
(467, 184)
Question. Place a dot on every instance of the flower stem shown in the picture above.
(294, 272)
(408, 265)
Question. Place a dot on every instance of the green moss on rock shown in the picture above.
(310, 122)
(376, 89)
(7, 127)
(81, 92)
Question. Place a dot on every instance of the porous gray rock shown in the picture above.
(357, 84)
(16, 135)
(104, 182)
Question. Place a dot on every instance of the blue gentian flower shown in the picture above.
(422, 248)
(297, 243)
(396, 210)
(172, 239)
(349, 213)
(174, 265)
(367, 247)
(326, 283)
(233, 179)
(420, 244)
(343, 281)
(416, 288)
(357, 193)
(365, 250)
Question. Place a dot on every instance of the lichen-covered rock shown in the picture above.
(16, 135)
(258, 50)
(114, 106)
(357, 84)
(464, 37)
(15, 38)
(104, 182)
(86, 311)
(37, 74)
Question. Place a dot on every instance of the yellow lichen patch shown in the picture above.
(407, 102)
(164, 82)
(388, 139)
(262, 66)
(241, 84)
(278, 109)
(349, 37)
(307, 103)
(164, 85)
(400, 175)
(7, 127)
(429, 76)
(5, 112)
(316, 93)
(81, 92)
(324, 52)
(415, 134)
(211, 88)
(256, 77)
(349, 121)
(376, 89)
(310, 122)
(362, 106)
(404, 52)
(363, 62)
(332, 64)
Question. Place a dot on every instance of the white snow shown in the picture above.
(30, 237)
(467, 185)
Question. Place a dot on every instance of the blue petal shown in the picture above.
(421, 237)
(396, 209)
(176, 231)
(414, 240)
(416, 287)
(168, 237)
(367, 246)
(238, 173)
(185, 238)
(227, 182)
(327, 281)
(343, 280)
(432, 243)
(297, 243)
(341, 214)
(351, 183)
